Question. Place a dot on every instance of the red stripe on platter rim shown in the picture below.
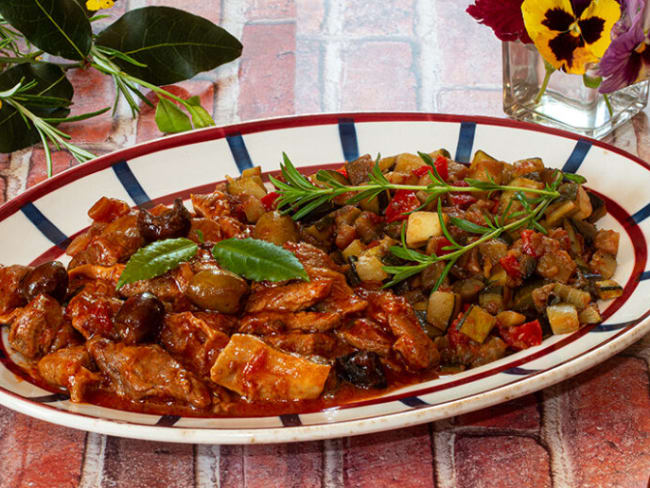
(618, 213)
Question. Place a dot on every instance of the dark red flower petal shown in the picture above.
(503, 17)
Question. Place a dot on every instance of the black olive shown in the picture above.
(216, 289)
(362, 368)
(173, 223)
(48, 278)
(140, 318)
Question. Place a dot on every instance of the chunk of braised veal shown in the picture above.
(173, 223)
(48, 278)
(108, 209)
(69, 368)
(139, 319)
(36, 327)
(362, 368)
(10, 279)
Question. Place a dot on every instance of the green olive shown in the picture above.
(216, 289)
(276, 228)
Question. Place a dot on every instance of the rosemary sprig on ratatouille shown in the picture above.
(299, 196)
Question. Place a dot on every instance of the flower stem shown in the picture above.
(610, 109)
(549, 71)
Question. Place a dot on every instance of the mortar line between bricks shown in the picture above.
(432, 448)
(284, 21)
(444, 463)
(352, 37)
(333, 68)
(206, 466)
(426, 32)
(551, 433)
(332, 463)
(92, 467)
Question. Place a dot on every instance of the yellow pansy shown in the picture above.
(570, 34)
(99, 4)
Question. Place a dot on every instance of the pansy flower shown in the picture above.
(503, 17)
(627, 59)
(569, 34)
(99, 4)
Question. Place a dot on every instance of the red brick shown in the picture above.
(37, 454)
(270, 466)
(92, 91)
(143, 464)
(209, 9)
(385, 18)
(397, 458)
(147, 128)
(642, 130)
(310, 16)
(3, 190)
(61, 160)
(378, 76)
(501, 462)
(471, 102)
(4, 161)
(266, 10)
(469, 53)
(308, 81)
(521, 413)
(606, 425)
(267, 70)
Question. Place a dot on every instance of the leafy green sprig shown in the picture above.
(299, 196)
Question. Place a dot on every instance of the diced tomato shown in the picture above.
(422, 170)
(522, 336)
(442, 242)
(442, 167)
(454, 335)
(372, 244)
(495, 205)
(269, 200)
(403, 202)
(343, 171)
(511, 265)
(462, 200)
(529, 246)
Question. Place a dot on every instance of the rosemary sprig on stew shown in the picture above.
(299, 196)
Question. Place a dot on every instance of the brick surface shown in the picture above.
(641, 125)
(38, 454)
(143, 464)
(521, 413)
(378, 76)
(211, 10)
(398, 458)
(267, 72)
(268, 466)
(309, 90)
(501, 462)
(146, 125)
(3, 190)
(310, 17)
(470, 102)
(265, 10)
(388, 18)
(607, 427)
(61, 160)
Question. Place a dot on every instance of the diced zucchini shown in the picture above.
(510, 318)
(563, 318)
(498, 276)
(485, 168)
(598, 206)
(355, 248)
(421, 226)
(247, 186)
(584, 205)
(603, 263)
(440, 152)
(477, 324)
(370, 268)
(249, 172)
(590, 315)
(608, 289)
(507, 195)
(406, 162)
(493, 250)
(526, 166)
(578, 298)
(557, 211)
(442, 308)
(491, 299)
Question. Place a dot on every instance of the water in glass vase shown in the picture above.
(566, 103)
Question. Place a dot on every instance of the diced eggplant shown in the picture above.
(608, 289)
(359, 169)
(407, 163)
(510, 318)
(563, 318)
(590, 315)
(428, 329)
(468, 289)
(498, 276)
(362, 368)
(442, 308)
(575, 243)
(477, 323)
(598, 208)
(586, 228)
(584, 205)
(491, 299)
(578, 298)
(523, 300)
(524, 167)
(493, 250)
(486, 168)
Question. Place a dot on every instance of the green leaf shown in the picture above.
(173, 44)
(579, 179)
(258, 260)
(170, 118)
(200, 116)
(58, 27)
(50, 81)
(156, 259)
(468, 226)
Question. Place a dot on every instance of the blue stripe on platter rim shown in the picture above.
(45, 225)
(239, 151)
(577, 156)
(130, 183)
(348, 137)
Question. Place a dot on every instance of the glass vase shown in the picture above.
(567, 103)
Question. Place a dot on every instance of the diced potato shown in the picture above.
(608, 289)
(370, 268)
(251, 185)
(485, 168)
(252, 207)
(584, 205)
(421, 226)
(590, 315)
(603, 263)
(557, 211)
(442, 308)
(477, 324)
(406, 162)
(386, 164)
(355, 248)
(509, 318)
(563, 318)
(255, 370)
(381, 248)
(607, 241)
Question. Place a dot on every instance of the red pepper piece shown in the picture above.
(442, 242)
(462, 200)
(454, 335)
(442, 167)
(343, 171)
(403, 201)
(269, 200)
(522, 336)
(529, 246)
(511, 265)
